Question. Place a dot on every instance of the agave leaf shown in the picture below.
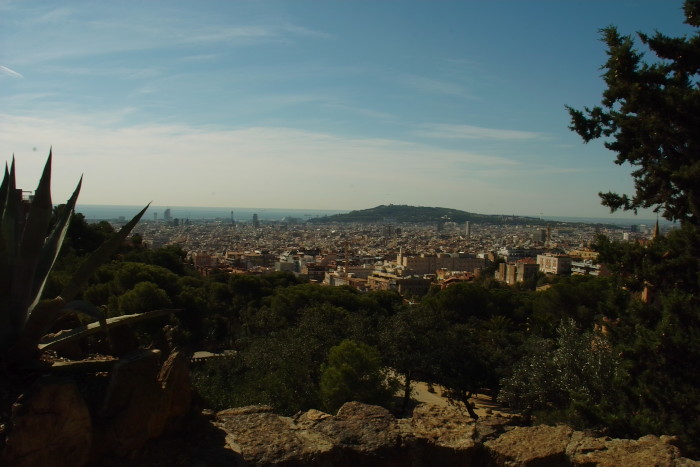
(5, 271)
(88, 309)
(100, 255)
(33, 237)
(52, 247)
(8, 323)
(92, 328)
(44, 315)
(11, 217)
(3, 189)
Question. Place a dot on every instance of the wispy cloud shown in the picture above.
(141, 28)
(324, 169)
(450, 131)
(9, 72)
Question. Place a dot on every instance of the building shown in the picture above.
(513, 254)
(554, 264)
(583, 254)
(520, 271)
(407, 286)
(587, 267)
(429, 264)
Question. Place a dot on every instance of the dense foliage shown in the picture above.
(585, 351)
(420, 215)
(649, 116)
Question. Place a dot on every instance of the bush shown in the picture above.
(354, 373)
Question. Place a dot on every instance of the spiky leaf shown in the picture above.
(11, 215)
(52, 247)
(32, 240)
(100, 255)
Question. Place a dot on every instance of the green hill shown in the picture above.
(400, 214)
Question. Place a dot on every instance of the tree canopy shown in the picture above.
(649, 116)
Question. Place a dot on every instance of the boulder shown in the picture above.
(365, 435)
(175, 399)
(50, 426)
(123, 424)
(439, 435)
(531, 446)
(606, 452)
(260, 437)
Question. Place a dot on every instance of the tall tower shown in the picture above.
(656, 229)
(467, 229)
(256, 222)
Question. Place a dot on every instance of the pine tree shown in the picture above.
(650, 117)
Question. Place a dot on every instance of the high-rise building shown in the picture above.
(256, 222)
(166, 215)
(467, 229)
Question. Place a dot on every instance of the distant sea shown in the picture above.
(97, 212)
(622, 222)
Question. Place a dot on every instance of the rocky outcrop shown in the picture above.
(71, 420)
(434, 436)
(51, 426)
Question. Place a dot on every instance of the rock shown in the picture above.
(175, 398)
(437, 435)
(646, 451)
(493, 426)
(51, 427)
(308, 420)
(260, 437)
(365, 435)
(529, 446)
(123, 424)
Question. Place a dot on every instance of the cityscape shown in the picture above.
(525, 290)
(408, 258)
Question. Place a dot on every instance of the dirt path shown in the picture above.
(483, 404)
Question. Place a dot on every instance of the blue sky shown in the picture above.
(312, 104)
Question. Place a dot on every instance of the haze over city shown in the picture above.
(318, 105)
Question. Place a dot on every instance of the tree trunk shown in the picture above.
(468, 405)
(406, 391)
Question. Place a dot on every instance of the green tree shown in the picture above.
(649, 116)
(145, 296)
(354, 373)
(574, 378)
(406, 346)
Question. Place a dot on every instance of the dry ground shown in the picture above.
(483, 403)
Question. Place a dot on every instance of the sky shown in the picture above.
(315, 104)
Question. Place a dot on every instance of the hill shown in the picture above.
(399, 213)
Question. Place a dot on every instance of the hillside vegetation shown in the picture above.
(396, 213)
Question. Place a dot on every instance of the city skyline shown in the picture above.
(310, 105)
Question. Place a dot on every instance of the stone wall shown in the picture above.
(434, 436)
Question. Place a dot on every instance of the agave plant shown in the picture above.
(27, 256)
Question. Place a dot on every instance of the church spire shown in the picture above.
(656, 228)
